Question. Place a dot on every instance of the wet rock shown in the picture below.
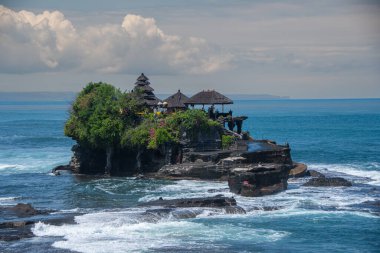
(193, 170)
(18, 220)
(372, 207)
(21, 210)
(234, 210)
(314, 173)
(186, 214)
(328, 182)
(61, 167)
(258, 180)
(217, 190)
(266, 208)
(13, 234)
(299, 170)
(217, 201)
(375, 203)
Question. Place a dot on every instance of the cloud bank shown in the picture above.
(50, 42)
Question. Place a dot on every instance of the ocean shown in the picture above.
(336, 137)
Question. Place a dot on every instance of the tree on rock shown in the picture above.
(96, 119)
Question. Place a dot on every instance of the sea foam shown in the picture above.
(368, 173)
(118, 232)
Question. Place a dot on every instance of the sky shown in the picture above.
(295, 48)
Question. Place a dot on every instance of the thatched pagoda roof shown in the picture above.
(148, 96)
(144, 88)
(208, 97)
(177, 100)
(151, 100)
(142, 78)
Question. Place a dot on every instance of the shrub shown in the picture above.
(227, 141)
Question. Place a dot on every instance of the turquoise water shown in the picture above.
(336, 137)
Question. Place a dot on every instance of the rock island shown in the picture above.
(137, 134)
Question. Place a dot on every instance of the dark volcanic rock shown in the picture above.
(266, 208)
(259, 180)
(195, 170)
(15, 233)
(314, 173)
(21, 210)
(62, 167)
(211, 156)
(260, 168)
(372, 207)
(375, 203)
(326, 182)
(18, 220)
(217, 201)
(124, 162)
(178, 207)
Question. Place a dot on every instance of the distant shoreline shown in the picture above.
(69, 96)
(54, 96)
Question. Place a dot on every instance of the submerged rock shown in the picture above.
(217, 201)
(18, 220)
(21, 210)
(189, 208)
(314, 173)
(328, 182)
(372, 207)
(266, 208)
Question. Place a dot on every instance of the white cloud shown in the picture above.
(49, 42)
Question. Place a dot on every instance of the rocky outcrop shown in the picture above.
(300, 170)
(314, 173)
(259, 168)
(216, 201)
(264, 151)
(195, 170)
(21, 210)
(258, 180)
(124, 161)
(171, 206)
(17, 220)
(328, 182)
(212, 156)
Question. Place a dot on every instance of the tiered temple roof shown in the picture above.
(142, 84)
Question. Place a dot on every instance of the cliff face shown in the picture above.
(124, 161)
(249, 173)
(252, 168)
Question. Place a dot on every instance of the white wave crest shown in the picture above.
(117, 231)
(11, 166)
(8, 200)
(188, 189)
(368, 173)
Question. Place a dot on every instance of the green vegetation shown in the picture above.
(227, 141)
(98, 118)
(103, 117)
(156, 130)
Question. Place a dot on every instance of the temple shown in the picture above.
(176, 102)
(142, 85)
(180, 101)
